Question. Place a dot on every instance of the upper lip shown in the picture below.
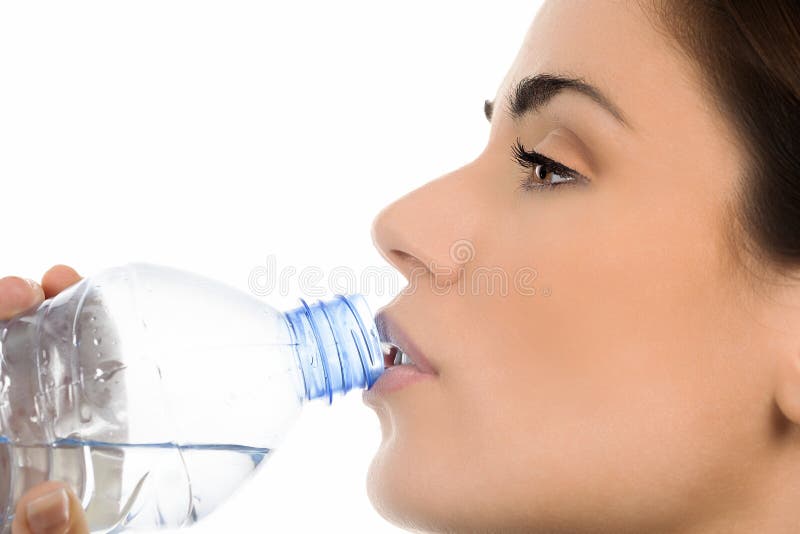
(391, 332)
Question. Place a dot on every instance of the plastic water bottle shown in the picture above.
(155, 393)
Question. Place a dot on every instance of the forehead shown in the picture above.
(613, 45)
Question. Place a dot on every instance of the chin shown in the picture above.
(397, 490)
(418, 496)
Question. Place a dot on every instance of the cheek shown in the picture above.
(617, 386)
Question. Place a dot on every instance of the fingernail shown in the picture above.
(49, 513)
(33, 283)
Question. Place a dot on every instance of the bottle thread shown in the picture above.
(337, 345)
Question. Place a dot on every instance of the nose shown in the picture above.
(430, 232)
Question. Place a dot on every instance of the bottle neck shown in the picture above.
(337, 345)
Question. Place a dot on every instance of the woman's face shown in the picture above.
(631, 391)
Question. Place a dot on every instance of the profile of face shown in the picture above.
(625, 382)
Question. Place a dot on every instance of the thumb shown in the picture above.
(49, 508)
(17, 295)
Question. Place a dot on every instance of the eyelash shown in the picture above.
(530, 159)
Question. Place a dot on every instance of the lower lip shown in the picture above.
(394, 378)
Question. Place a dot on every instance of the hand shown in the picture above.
(51, 507)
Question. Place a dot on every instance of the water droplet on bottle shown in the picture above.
(86, 413)
(94, 318)
(106, 370)
(97, 341)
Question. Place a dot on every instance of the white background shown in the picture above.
(210, 136)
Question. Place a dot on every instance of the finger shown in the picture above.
(17, 295)
(57, 279)
(51, 508)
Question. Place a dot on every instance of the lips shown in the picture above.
(391, 333)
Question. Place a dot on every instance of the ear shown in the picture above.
(787, 386)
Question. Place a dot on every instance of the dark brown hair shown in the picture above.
(746, 54)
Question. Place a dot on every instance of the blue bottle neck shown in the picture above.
(337, 345)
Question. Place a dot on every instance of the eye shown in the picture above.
(542, 167)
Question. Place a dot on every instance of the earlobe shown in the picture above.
(787, 386)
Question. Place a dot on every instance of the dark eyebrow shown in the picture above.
(534, 92)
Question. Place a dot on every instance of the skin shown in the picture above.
(656, 388)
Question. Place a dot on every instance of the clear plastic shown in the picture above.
(103, 387)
